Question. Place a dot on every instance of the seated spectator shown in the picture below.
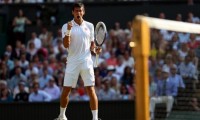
(176, 77)
(31, 49)
(183, 37)
(9, 51)
(24, 51)
(35, 40)
(180, 85)
(183, 51)
(152, 87)
(124, 93)
(128, 59)
(46, 37)
(121, 49)
(103, 71)
(45, 65)
(106, 93)
(18, 76)
(53, 62)
(194, 104)
(165, 93)
(188, 72)
(115, 85)
(193, 18)
(39, 95)
(23, 61)
(4, 71)
(8, 61)
(127, 76)
(132, 90)
(174, 43)
(52, 89)
(58, 37)
(16, 53)
(111, 72)
(160, 58)
(168, 61)
(5, 95)
(194, 58)
(59, 79)
(119, 69)
(112, 60)
(31, 69)
(36, 61)
(17, 88)
(152, 65)
(158, 74)
(3, 85)
(193, 43)
(5, 92)
(44, 79)
(23, 94)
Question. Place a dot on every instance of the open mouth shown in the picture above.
(78, 17)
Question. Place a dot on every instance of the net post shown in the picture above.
(141, 38)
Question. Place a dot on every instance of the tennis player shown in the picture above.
(78, 38)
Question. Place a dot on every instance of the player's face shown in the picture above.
(78, 13)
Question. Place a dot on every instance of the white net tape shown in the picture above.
(170, 25)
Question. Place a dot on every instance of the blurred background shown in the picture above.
(32, 58)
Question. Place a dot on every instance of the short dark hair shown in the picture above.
(78, 4)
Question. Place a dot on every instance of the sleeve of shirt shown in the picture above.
(57, 94)
(182, 84)
(30, 98)
(64, 29)
(156, 89)
(174, 89)
(159, 90)
(192, 70)
(46, 96)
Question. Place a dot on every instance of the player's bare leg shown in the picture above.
(93, 101)
(64, 100)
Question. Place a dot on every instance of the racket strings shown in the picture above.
(100, 35)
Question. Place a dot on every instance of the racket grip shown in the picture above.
(96, 60)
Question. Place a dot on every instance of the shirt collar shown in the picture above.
(75, 24)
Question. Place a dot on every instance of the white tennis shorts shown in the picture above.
(73, 70)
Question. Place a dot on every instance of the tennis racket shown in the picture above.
(100, 36)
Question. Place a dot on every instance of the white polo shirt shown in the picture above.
(81, 37)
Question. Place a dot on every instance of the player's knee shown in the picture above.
(90, 91)
(66, 91)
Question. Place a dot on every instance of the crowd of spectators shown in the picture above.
(34, 71)
(189, 2)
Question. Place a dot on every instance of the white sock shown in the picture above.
(62, 112)
(95, 114)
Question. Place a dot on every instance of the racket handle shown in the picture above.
(96, 60)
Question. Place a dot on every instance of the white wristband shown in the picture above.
(68, 33)
(94, 50)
